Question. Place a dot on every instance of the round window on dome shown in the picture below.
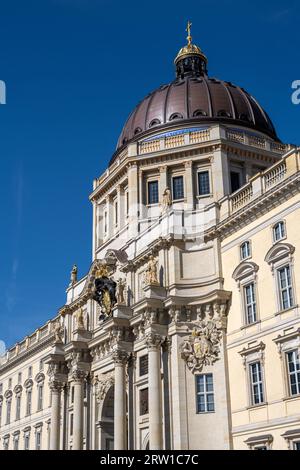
(223, 113)
(199, 112)
(175, 116)
(154, 122)
(137, 130)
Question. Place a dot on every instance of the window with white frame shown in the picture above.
(16, 441)
(8, 410)
(28, 401)
(256, 382)
(293, 369)
(26, 440)
(285, 287)
(105, 223)
(245, 250)
(116, 215)
(203, 183)
(263, 442)
(279, 231)
(29, 371)
(205, 401)
(5, 443)
(250, 303)
(177, 187)
(38, 439)
(40, 396)
(245, 274)
(18, 407)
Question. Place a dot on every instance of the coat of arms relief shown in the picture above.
(203, 345)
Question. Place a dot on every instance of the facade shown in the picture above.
(185, 332)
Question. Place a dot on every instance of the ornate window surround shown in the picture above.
(246, 273)
(291, 436)
(278, 256)
(251, 354)
(258, 441)
(287, 343)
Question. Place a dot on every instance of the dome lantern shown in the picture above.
(190, 60)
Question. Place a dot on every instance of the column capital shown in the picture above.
(56, 385)
(154, 341)
(78, 375)
(120, 356)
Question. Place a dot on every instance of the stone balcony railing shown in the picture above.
(27, 343)
(193, 136)
(261, 183)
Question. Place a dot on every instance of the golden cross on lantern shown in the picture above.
(188, 30)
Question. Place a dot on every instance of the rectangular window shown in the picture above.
(19, 377)
(178, 189)
(153, 197)
(294, 372)
(1, 405)
(9, 383)
(71, 424)
(235, 180)
(38, 440)
(296, 445)
(205, 393)
(257, 395)
(18, 407)
(105, 222)
(29, 371)
(72, 395)
(16, 442)
(144, 402)
(26, 441)
(203, 183)
(28, 405)
(144, 365)
(260, 448)
(5, 444)
(279, 231)
(8, 411)
(285, 287)
(116, 213)
(250, 303)
(245, 250)
(40, 397)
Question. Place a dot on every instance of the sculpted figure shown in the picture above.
(166, 200)
(151, 272)
(121, 284)
(57, 332)
(74, 274)
(79, 319)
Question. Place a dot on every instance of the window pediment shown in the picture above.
(245, 269)
(28, 383)
(8, 394)
(278, 252)
(18, 389)
(40, 377)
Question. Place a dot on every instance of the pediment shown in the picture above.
(244, 269)
(278, 252)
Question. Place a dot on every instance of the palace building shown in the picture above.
(185, 331)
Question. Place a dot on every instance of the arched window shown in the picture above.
(279, 232)
(175, 116)
(199, 112)
(137, 130)
(223, 113)
(154, 122)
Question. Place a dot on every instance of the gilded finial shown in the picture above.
(188, 30)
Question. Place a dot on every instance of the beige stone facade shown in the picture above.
(188, 358)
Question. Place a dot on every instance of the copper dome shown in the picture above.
(196, 98)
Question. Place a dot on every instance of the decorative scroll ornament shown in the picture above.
(105, 292)
(103, 383)
(203, 346)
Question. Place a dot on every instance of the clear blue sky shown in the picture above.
(74, 69)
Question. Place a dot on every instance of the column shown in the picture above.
(220, 173)
(155, 399)
(56, 388)
(189, 190)
(120, 437)
(78, 380)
